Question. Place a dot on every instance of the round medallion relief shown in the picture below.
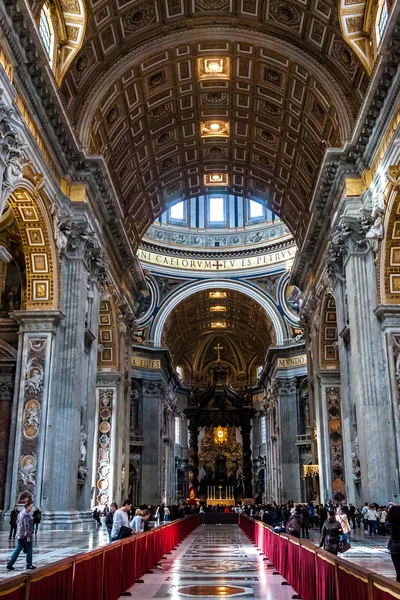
(105, 427)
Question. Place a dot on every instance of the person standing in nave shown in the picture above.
(305, 523)
(294, 524)
(121, 519)
(392, 525)
(331, 532)
(137, 521)
(24, 537)
(13, 522)
(323, 515)
(364, 512)
(110, 518)
(37, 517)
(343, 521)
(373, 519)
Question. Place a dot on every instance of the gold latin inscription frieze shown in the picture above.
(292, 361)
(145, 363)
(234, 264)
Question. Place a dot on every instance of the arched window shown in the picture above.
(46, 31)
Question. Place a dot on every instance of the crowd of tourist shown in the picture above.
(334, 523)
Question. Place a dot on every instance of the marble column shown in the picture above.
(34, 388)
(374, 416)
(193, 452)
(7, 377)
(71, 415)
(286, 390)
(349, 425)
(245, 429)
(153, 391)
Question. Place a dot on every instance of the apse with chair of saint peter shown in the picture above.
(199, 269)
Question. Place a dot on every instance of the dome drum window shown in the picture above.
(46, 31)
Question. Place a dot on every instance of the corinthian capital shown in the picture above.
(351, 236)
(285, 386)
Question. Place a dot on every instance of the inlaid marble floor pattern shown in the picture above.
(216, 561)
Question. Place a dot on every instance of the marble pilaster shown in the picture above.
(34, 382)
(152, 450)
(353, 257)
(286, 390)
(71, 417)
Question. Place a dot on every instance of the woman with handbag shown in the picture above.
(342, 519)
(393, 526)
(331, 532)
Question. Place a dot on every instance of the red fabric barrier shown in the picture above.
(112, 572)
(150, 551)
(128, 575)
(352, 586)
(293, 565)
(140, 556)
(102, 574)
(283, 556)
(16, 593)
(383, 593)
(157, 545)
(326, 578)
(55, 585)
(307, 572)
(88, 581)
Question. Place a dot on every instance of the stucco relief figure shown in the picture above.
(27, 470)
(59, 237)
(15, 163)
(31, 419)
(33, 377)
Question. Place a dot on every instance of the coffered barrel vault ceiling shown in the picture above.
(137, 95)
(235, 322)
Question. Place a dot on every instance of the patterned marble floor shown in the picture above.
(216, 561)
(50, 546)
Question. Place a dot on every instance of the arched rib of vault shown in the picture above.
(245, 288)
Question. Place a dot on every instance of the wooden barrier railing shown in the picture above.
(101, 574)
(314, 573)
